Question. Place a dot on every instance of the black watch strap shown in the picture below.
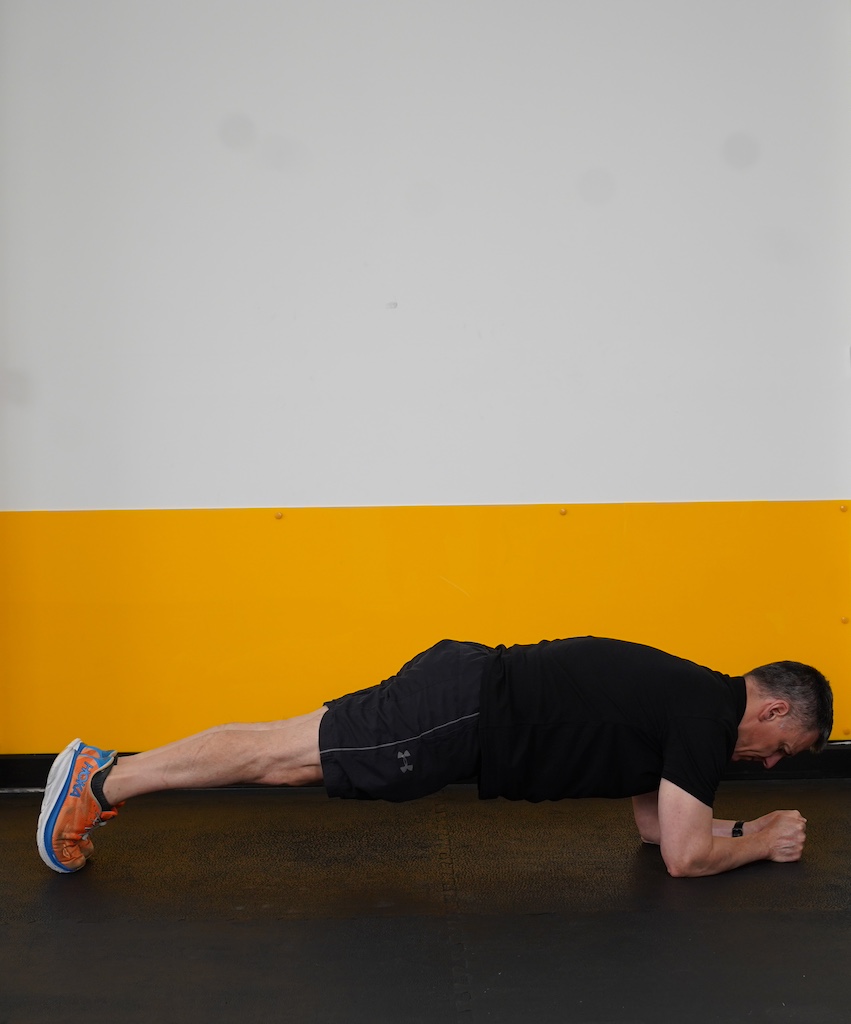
(738, 829)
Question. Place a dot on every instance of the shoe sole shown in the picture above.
(55, 791)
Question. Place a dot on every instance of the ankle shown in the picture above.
(103, 787)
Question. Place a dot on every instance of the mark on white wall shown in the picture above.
(741, 151)
(784, 245)
(237, 132)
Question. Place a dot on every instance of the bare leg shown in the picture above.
(284, 753)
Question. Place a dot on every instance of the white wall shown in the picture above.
(331, 252)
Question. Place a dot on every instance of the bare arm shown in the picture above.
(645, 808)
(693, 843)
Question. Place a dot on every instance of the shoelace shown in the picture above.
(100, 819)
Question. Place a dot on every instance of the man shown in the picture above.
(571, 718)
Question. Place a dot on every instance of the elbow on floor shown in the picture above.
(682, 868)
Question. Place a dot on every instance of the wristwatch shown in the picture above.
(738, 829)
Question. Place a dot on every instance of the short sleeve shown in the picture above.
(696, 756)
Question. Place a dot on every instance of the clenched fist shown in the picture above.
(785, 833)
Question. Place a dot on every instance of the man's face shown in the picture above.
(771, 736)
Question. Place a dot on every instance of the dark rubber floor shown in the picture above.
(268, 905)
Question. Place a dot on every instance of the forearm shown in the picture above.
(723, 828)
(723, 853)
(646, 813)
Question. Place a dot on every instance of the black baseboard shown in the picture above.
(25, 771)
(29, 771)
(833, 763)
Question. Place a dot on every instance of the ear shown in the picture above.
(776, 708)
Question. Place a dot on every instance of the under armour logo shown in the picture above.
(404, 755)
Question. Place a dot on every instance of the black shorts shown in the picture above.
(411, 735)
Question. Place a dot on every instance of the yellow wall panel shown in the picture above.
(132, 628)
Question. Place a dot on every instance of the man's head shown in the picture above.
(789, 710)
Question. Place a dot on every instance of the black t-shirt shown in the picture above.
(593, 717)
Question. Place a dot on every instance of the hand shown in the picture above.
(785, 832)
(758, 824)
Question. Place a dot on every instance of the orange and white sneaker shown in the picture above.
(73, 805)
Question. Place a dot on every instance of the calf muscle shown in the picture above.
(284, 753)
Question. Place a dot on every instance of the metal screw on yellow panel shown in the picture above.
(279, 515)
(562, 511)
(846, 732)
(843, 508)
(844, 620)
